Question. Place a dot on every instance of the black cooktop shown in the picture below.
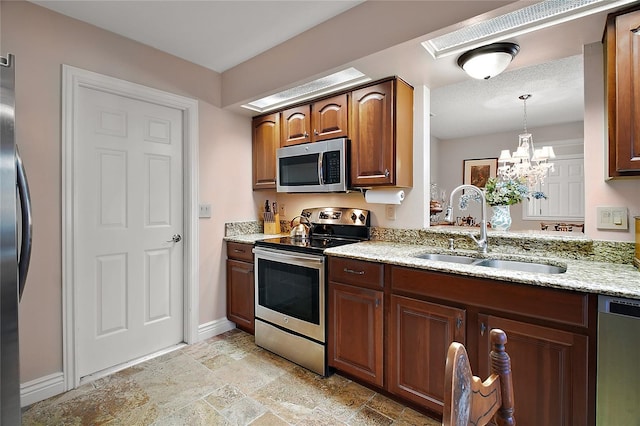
(310, 245)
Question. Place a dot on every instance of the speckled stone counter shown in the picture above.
(615, 279)
(593, 266)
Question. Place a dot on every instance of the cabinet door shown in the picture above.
(356, 332)
(329, 118)
(623, 81)
(240, 294)
(549, 370)
(296, 123)
(372, 154)
(266, 140)
(419, 336)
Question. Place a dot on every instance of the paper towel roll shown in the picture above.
(384, 196)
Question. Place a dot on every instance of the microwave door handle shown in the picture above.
(320, 169)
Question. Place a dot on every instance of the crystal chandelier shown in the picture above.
(527, 163)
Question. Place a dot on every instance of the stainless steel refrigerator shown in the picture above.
(15, 245)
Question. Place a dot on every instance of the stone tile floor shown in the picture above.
(226, 380)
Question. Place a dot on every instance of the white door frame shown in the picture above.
(72, 80)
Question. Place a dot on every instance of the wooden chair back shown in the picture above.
(468, 400)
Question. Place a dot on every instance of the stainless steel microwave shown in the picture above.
(313, 167)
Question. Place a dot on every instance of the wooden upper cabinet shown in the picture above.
(321, 120)
(296, 125)
(266, 140)
(329, 118)
(381, 132)
(623, 93)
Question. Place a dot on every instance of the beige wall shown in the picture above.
(598, 190)
(42, 41)
(367, 28)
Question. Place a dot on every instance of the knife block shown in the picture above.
(271, 223)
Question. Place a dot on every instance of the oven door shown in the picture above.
(290, 291)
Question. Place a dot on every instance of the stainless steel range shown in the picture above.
(291, 285)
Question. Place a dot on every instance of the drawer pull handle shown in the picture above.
(239, 250)
(458, 323)
(483, 328)
(351, 271)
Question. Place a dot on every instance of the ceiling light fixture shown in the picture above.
(513, 22)
(527, 163)
(330, 83)
(488, 61)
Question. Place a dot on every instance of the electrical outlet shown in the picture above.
(282, 211)
(390, 211)
(205, 210)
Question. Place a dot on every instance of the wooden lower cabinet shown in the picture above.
(356, 333)
(419, 336)
(551, 337)
(240, 286)
(549, 369)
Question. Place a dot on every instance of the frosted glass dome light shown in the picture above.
(488, 61)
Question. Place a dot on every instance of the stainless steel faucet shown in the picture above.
(482, 242)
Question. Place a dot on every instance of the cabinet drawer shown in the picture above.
(240, 251)
(356, 272)
(536, 302)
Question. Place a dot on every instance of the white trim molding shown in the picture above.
(213, 328)
(72, 80)
(41, 388)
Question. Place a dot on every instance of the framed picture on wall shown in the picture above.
(477, 172)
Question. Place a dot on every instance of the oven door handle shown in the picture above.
(286, 256)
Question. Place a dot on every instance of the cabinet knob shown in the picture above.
(636, 30)
(458, 323)
(306, 134)
(315, 132)
(386, 172)
(483, 329)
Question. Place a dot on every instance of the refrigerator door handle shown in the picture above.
(27, 223)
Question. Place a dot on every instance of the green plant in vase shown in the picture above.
(500, 194)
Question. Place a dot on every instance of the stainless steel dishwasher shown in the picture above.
(618, 397)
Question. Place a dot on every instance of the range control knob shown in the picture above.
(362, 218)
(353, 217)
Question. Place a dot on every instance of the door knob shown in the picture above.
(175, 239)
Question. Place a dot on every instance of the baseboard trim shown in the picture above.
(41, 389)
(213, 328)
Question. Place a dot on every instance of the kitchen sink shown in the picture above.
(521, 266)
(447, 258)
(511, 265)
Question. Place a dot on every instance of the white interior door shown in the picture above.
(129, 207)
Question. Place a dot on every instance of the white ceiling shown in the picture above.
(221, 34)
(216, 34)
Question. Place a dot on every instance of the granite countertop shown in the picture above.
(252, 238)
(622, 280)
(599, 267)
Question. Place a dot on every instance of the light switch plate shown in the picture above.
(205, 210)
(612, 218)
